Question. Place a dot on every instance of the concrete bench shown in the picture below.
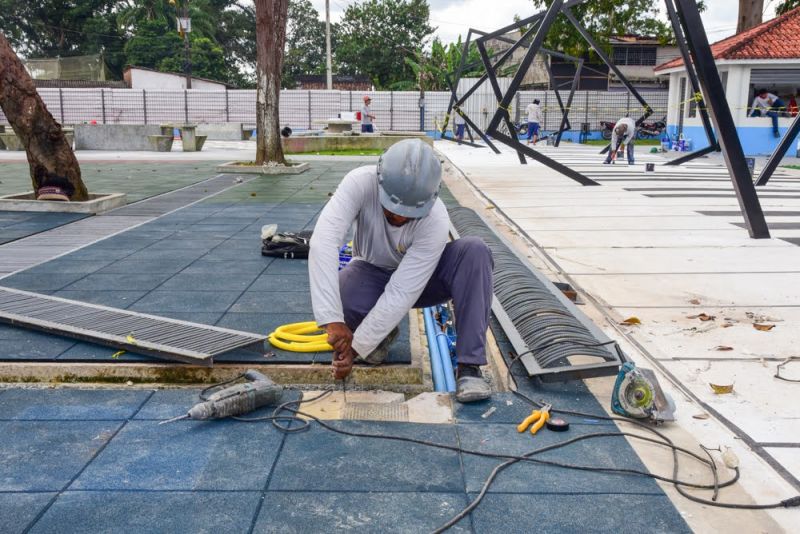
(10, 141)
(160, 143)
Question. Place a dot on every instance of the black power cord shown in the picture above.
(300, 421)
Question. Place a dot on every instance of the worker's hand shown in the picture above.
(342, 364)
(340, 337)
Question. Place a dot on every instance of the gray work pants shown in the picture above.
(464, 274)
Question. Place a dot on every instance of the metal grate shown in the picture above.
(375, 411)
(543, 325)
(164, 338)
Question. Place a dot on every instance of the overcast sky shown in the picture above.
(454, 17)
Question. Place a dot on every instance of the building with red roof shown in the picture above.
(764, 57)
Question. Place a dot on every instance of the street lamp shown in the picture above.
(184, 27)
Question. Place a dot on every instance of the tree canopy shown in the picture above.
(375, 37)
(786, 6)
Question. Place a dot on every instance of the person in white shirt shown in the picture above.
(624, 134)
(534, 112)
(367, 117)
(768, 105)
(460, 124)
(402, 259)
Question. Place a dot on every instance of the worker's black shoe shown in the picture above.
(380, 353)
(470, 385)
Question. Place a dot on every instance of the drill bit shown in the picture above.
(186, 416)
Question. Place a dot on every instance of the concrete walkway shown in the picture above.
(665, 248)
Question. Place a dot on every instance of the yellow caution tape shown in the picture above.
(300, 337)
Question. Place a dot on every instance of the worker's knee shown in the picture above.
(475, 249)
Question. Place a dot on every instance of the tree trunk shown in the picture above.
(751, 13)
(51, 159)
(271, 18)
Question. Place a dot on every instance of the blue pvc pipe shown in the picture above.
(447, 363)
(437, 370)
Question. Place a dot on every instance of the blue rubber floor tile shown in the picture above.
(125, 241)
(260, 323)
(132, 266)
(281, 282)
(274, 302)
(178, 243)
(185, 455)
(611, 452)
(578, 514)
(378, 513)
(35, 282)
(185, 301)
(168, 403)
(97, 253)
(90, 352)
(176, 255)
(34, 346)
(212, 267)
(509, 408)
(111, 281)
(115, 299)
(321, 460)
(17, 510)
(71, 404)
(204, 282)
(79, 512)
(46, 455)
(284, 266)
(64, 265)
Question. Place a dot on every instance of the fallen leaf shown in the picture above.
(763, 327)
(694, 301)
(727, 325)
(131, 339)
(118, 354)
(631, 320)
(723, 347)
(722, 389)
(701, 416)
(489, 207)
(702, 317)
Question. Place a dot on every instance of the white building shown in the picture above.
(767, 56)
(144, 78)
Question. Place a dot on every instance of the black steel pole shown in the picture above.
(512, 130)
(711, 85)
(780, 151)
(565, 125)
(692, 75)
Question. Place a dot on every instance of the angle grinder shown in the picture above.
(638, 395)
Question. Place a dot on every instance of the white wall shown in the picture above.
(145, 79)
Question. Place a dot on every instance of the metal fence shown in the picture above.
(307, 110)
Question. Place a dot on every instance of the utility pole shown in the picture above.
(751, 13)
(184, 27)
(328, 43)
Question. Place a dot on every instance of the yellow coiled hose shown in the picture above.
(300, 337)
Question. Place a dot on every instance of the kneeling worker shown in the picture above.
(401, 259)
(624, 134)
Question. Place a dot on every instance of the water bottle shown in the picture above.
(665, 143)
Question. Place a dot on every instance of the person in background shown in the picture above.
(793, 107)
(534, 112)
(769, 105)
(624, 134)
(366, 116)
(459, 123)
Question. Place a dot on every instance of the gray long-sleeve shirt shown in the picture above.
(630, 133)
(412, 251)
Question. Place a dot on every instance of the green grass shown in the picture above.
(640, 142)
(342, 152)
(792, 167)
